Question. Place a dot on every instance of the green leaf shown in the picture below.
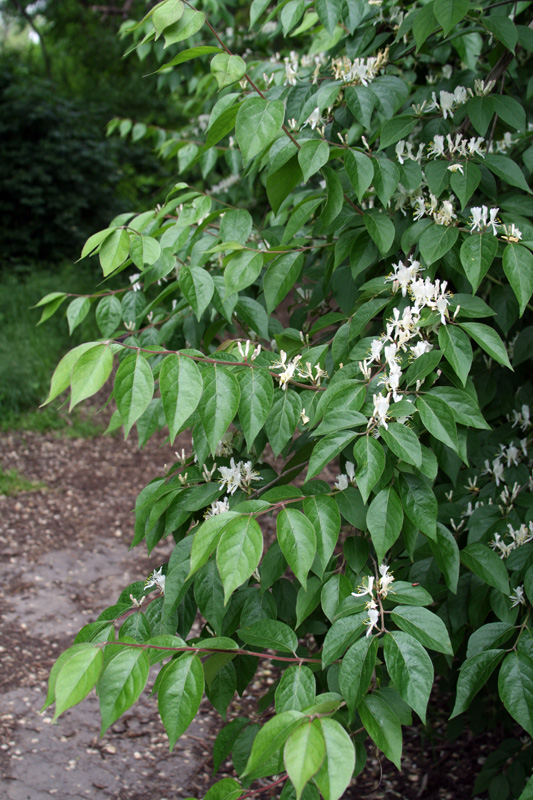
(59, 664)
(370, 459)
(342, 633)
(381, 230)
(222, 125)
(94, 241)
(219, 403)
(76, 678)
(406, 594)
(206, 539)
(296, 689)
(89, 373)
(384, 521)
(361, 101)
(181, 386)
(465, 183)
(360, 171)
(515, 685)
(198, 288)
(382, 725)
(188, 55)
(270, 633)
(238, 553)
(280, 277)
(144, 251)
(326, 450)
(122, 683)
(504, 30)
(464, 408)
(236, 226)
(134, 388)
(403, 442)
(225, 789)
(297, 539)
(386, 172)
(337, 768)
(323, 513)
(283, 419)
(436, 241)
(114, 251)
(395, 129)
(165, 14)
(312, 156)
(419, 503)
(291, 14)
(410, 669)
(77, 311)
(303, 754)
(425, 626)
(438, 419)
(356, 671)
(51, 303)
(179, 695)
(508, 170)
(334, 197)
(258, 123)
(489, 637)
(518, 267)
(489, 341)
(457, 350)
(227, 69)
(271, 737)
(450, 12)
(241, 271)
(473, 676)
(108, 314)
(329, 12)
(256, 394)
(487, 565)
(446, 554)
(186, 26)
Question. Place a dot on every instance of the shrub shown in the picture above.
(328, 325)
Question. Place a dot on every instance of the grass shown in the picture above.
(13, 483)
(29, 354)
(77, 425)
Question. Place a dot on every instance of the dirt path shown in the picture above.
(63, 558)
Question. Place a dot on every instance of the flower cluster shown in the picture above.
(218, 507)
(517, 538)
(517, 597)
(401, 329)
(293, 367)
(376, 590)
(238, 476)
(360, 71)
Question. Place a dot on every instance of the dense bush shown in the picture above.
(339, 312)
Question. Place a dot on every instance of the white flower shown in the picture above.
(381, 409)
(366, 587)
(156, 579)
(373, 618)
(342, 482)
(313, 119)
(436, 147)
(385, 580)
(304, 417)
(231, 477)
(218, 507)
(456, 168)
(518, 597)
(420, 348)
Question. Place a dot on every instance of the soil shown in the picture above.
(63, 558)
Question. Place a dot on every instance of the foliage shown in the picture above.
(352, 305)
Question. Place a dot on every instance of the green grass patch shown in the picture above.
(13, 483)
(80, 424)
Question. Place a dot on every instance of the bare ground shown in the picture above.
(63, 558)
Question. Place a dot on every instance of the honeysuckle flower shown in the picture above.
(456, 168)
(420, 348)
(313, 119)
(231, 477)
(381, 409)
(495, 469)
(304, 417)
(366, 587)
(341, 482)
(511, 233)
(385, 581)
(522, 417)
(373, 619)
(156, 579)
(518, 597)
(218, 507)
